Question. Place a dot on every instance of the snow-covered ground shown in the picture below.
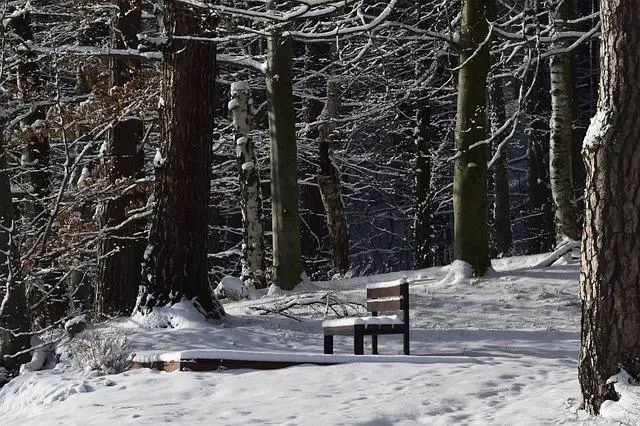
(499, 350)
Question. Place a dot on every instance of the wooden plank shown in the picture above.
(375, 293)
(385, 305)
(345, 330)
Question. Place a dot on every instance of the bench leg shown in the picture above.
(328, 344)
(358, 343)
(405, 342)
(374, 344)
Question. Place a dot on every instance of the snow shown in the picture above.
(503, 350)
(596, 131)
(368, 320)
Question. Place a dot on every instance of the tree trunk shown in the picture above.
(14, 314)
(501, 241)
(120, 252)
(423, 253)
(423, 231)
(314, 233)
(329, 182)
(250, 198)
(287, 260)
(561, 127)
(175, 264)
(470, 181)
(610, 276)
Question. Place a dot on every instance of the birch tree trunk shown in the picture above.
(561, 127)
(120, 252)
(14, 313)
(285, 220)
(470, 180)
(610, 274)
(175, 264)
(250, 198)
(329, 182)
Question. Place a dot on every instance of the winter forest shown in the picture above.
(252, 165)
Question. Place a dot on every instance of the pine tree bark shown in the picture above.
(120, 251)
(561, 127)
(610, 274)
(14, 314)
(470, 180)
(285, 220)
(329, 182)
(175, 261)
(253, 265)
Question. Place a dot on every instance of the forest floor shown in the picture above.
(498, 350)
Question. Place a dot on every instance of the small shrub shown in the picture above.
(101, 353)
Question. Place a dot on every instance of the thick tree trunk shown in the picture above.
(470, 181)
(287, 260)
(329, 182)
(610, 275)
(120, 252)
(175, 264)
(561, 127)
(14, 314)
(253, 272)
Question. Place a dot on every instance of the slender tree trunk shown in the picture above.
(501, 241)
(561, 126)
(250, 198)
(610, 275)
(287, 260)
(470, 181)
(175, 264)
(120, 252)
(423, 241)
(329, 182)
(35, 161)
(314, 232)
(14, 314)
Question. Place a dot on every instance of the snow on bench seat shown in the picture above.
(370, 320)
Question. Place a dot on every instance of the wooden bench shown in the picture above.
(381, 297)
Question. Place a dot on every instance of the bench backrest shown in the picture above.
(389, 297)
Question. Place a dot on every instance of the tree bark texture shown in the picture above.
(329, 181)
(285, 220)
(175, 265)
(470, 180)
(120, 252)
(610, 274)
(253, 265)
(125, 29)
(423, 252)
(561, 127)
(14, 313)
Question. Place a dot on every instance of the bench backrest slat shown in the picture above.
(385, 305)
(389, 298)
(376, 293)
